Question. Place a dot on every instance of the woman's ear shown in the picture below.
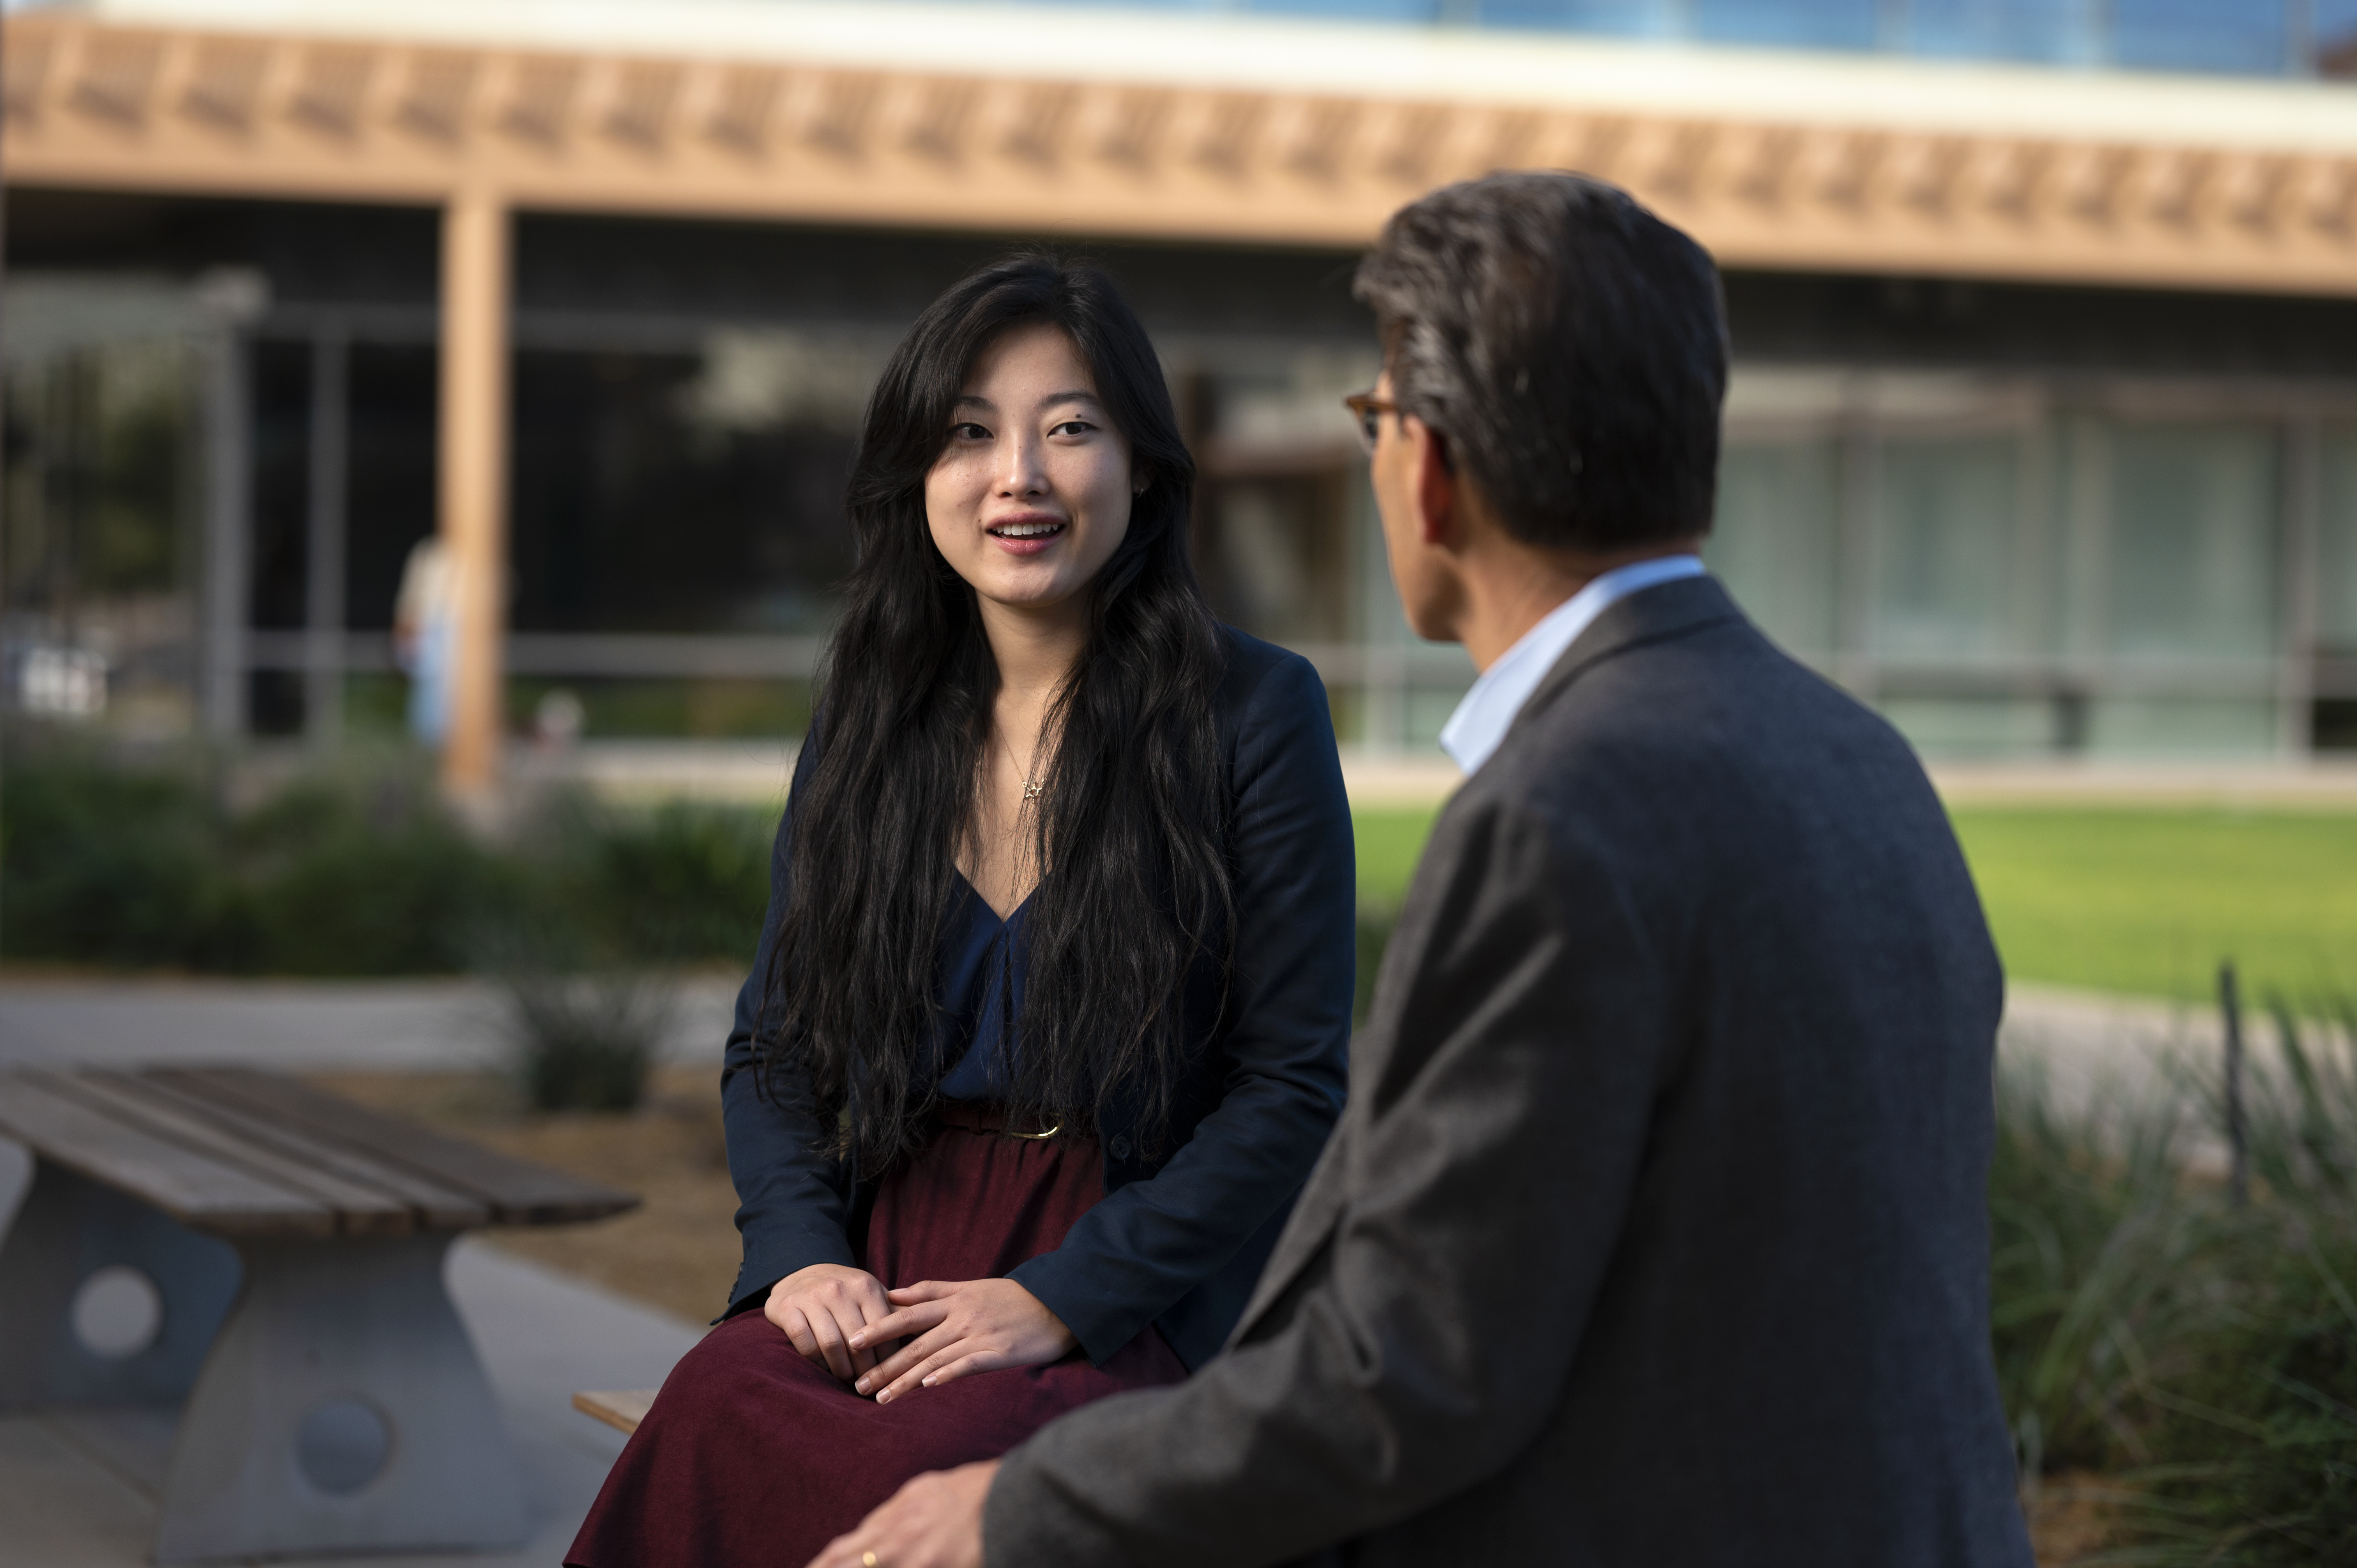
(1138, 486)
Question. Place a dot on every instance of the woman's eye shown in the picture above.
(1071, 427)
(968, 431)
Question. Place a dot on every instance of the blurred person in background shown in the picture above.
(426, 635)
(1049, 1015)
(1655, 1230)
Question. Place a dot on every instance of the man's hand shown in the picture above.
(821, 1307)
(934, 1521)
(973, 1325)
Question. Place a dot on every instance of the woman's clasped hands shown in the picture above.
(844, 1319)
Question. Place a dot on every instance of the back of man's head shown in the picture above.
(1570, 346)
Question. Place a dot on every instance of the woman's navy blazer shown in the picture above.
(1181, 1235)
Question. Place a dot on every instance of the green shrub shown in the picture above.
(682, 882)
(126, 863)
(111, 865)
(374, 881)
(352, 869)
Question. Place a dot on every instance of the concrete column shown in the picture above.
(474, 456)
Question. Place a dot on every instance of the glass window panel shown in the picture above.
(1641, 18)
(2240, 36)
(2192, 555)
(1368, 10)
(100, 527)
(2333, 35)
(2336, 596)
(1998, 29)
(1428, 711)
(389, 501)
(1273, 555)
(1973, 726)
(1816, 24)
(2142, 726)
(686, 491)
(1775, 541)
(279, 373)
(1948, 520)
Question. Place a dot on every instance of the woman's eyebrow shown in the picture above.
(977, 400)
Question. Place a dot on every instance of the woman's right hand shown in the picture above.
(821, 1306)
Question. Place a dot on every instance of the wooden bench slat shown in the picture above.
(621, 1409)
(359, 1210)
(433, 1205)
(516, 1191)
(198, 1191)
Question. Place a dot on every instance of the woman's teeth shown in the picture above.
(1027, 529)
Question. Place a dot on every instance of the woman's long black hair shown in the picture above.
(1130, 836)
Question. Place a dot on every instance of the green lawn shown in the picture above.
(2123, 898)
(2149, 901)
(1389, 842)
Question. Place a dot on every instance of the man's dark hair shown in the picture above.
(1567, 346)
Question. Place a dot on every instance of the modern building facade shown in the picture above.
(2043, 434)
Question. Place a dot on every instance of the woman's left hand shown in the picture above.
(956, 1327)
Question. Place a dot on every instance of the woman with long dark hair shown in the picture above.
(1050, 1016)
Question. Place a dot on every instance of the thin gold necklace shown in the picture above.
(1032, 791)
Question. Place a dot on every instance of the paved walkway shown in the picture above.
(754, 773)
(444, 1025)
(400, 1025)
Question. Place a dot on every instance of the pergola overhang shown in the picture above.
(1164, 127)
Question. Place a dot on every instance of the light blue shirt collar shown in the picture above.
(1482, 720)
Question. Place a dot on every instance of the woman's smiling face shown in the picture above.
(1030, 495)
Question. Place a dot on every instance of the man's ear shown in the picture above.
(1432, 482)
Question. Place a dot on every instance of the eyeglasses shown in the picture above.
(1368, 410)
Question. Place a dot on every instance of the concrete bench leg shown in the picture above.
(342, 1408)
(71, 1231)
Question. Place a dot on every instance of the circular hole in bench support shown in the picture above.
(117, 1312)
(342, 1444)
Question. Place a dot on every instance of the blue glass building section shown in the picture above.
(2055, 32)
(2233, 36)
(2245, 37)
(1803, 24)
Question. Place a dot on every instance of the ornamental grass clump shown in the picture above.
(2197, 1350)
(585, 1041)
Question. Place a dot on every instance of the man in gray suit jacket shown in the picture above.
(1654, 1231)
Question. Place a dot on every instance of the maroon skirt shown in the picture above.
(753, 1453)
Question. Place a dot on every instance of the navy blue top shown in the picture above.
(1183, 1229)
(981, 964)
